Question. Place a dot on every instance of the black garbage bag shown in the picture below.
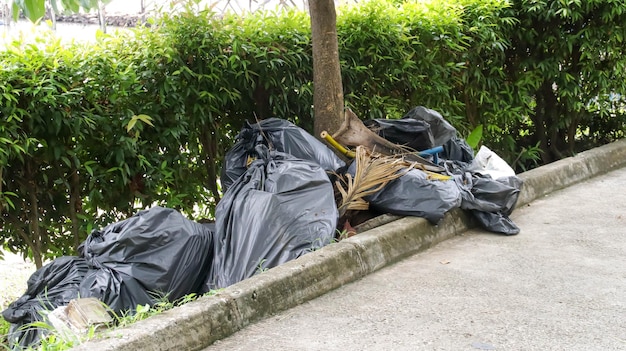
(120, 292)
(155, 253)
(497, 222)
(490, 201)
(279, 135)
(415, 131)
(281, 208)
(51, 286)
(457, 156)
(413, 194)
(457, 149)
(441, 130)
(408, 132)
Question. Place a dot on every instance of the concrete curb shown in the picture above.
(202, 322)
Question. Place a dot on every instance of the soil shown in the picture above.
(14, 273)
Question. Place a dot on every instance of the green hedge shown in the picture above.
(89, 133)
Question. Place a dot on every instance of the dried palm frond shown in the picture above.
(373, 172)
(430, 175)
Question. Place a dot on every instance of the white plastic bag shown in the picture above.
(487, 162)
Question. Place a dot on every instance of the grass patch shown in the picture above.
(4, 330)
(59, 341)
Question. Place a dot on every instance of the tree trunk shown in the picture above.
(210, 146)
(545, 124)
(6, 15)
(471, 109)
(102, 17)
(327, 86)
(33, 218)
(53, 17)
(540, 129)
(1, 181)
(76, 205)
(261, 102)
(557, 139)
(571, 134)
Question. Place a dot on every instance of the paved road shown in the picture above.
(558, 285)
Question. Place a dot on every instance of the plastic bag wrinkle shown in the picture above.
(413, 194)
(408, 132)
(281, 208)
(441, 130)
(159, 248)
(279, 135)
(53, 285)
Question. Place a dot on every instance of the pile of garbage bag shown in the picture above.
(485, 185)
(280, 202)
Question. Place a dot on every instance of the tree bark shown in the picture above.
(102, 17)
(327, 85)
(545, 112)
(210, 148)
(76, 205)
(33, 218)
(471, 110)
(539, 134)
(1, 181)
(571, 134)
(53, 16)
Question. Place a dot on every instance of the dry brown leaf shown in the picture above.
(373, 172)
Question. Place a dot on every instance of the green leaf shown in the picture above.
(15, 11)
(71, 5)
(475, 136)
(9, 202)
(87, 166)
(34, 10)
(145, 119)
(55, 6)
(131, 123)
(66, 161)
(89, 169)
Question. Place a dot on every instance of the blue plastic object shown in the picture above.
(432, 152)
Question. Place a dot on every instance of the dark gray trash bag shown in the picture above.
(280, 135)
(413, 194)
(51, 286)
(457, 155)
(496, 222)
(119, 291)
(408, 132)
(281, 208)
(457, 149)
(490, 201)
(441, 130)
(155, 253)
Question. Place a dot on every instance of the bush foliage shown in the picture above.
(89, 133)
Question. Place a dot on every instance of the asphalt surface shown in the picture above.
(558, 285)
